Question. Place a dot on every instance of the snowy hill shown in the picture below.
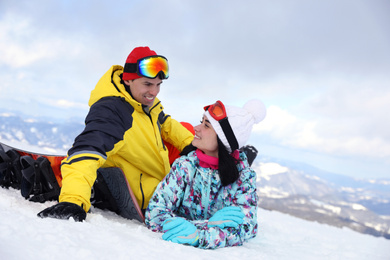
(40, 133)
(362, 206)
(296, 189)
(105, 235)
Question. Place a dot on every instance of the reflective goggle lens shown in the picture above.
(217, 110)
(150, 67)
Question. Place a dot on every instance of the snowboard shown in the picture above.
(124, 198)
(55, 160)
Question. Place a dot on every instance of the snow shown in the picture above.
(358, 207)
(104, 235)
(273, 192)
(334, 209)
(25, 146)
(268, 169)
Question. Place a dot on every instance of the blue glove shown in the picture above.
(227, 217)
(181, 231)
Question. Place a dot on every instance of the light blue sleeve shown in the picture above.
(245, 197)
(169, 195)
(166, 198)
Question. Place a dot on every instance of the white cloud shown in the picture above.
(22, 44)
(325, 82)
(18, 45)
(289, 130)
(62, 103)
(358, 107)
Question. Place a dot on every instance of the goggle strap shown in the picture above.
(228, 131)
(130, 68)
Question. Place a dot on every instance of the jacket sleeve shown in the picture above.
(166, 198)
(174, 132)
(169, 196)
(245, 197)
(106, 123)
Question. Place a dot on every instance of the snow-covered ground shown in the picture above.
(105, 235)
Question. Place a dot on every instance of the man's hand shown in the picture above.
(64, 210)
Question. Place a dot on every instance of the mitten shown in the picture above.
(181, 231)
(64, 210)
(227, 217)
(250, 152)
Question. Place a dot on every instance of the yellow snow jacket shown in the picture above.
(119, 133)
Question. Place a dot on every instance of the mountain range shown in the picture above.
(361, 205)
(293, 188)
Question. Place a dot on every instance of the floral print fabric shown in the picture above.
(196, 193)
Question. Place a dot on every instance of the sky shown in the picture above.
(322, 68)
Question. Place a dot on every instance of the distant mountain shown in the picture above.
(361, 205)
(59, 136)
(294, 188)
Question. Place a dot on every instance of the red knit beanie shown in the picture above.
(136, 54)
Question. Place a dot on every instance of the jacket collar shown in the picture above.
(111, 84)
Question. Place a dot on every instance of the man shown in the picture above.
(126, 128)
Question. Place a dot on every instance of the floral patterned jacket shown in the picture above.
(196, 193)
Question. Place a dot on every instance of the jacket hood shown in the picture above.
(110, 85)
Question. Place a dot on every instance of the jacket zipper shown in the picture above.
(142, 192)
(206, 200)
(158, 124)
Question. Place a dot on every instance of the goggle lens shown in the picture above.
(150, 67)
(217, 110)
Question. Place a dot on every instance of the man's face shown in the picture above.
(144, 90)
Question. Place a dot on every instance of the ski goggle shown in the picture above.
(218, 112)
(149, 67)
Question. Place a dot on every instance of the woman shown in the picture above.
(208, 199)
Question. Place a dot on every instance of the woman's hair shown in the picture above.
(227, 168)
(189, 148)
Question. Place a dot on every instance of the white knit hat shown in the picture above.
(241, 120)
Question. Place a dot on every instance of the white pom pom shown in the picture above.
(257, 109)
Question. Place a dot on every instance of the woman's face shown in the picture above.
(205, 138)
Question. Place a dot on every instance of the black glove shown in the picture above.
(251, 153)
(64, 210)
